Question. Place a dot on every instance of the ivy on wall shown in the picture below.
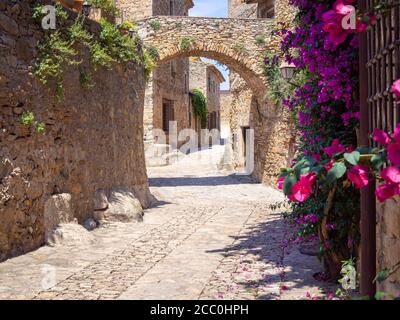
(199, 103)
(60, 49)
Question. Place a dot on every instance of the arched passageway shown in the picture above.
(240, 44)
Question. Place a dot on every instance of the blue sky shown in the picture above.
(212, 8)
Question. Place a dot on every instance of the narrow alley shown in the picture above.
(211, 235)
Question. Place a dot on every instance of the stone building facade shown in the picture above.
(207, 78)
(92, 145)
(167, 93)
(272, 129)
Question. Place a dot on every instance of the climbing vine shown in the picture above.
(28, 119)
(59, 49)
(108, 6)
(199, 103)
(187, 43)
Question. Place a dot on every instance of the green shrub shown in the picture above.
(260, 39)
(187, 43)
(153, 52)
(199, 103)
(27, 118)
(107, 6)
(100, 56)
(54, 53)
(119, 46)
(77, 33)
(58, 50)
(155, 24)
(41, 128)
(240, 47)
(38, 13)
(179, 26)
(127, 25)
(85, 80)
(149, 65)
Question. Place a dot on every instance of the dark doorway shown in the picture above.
(168, 114)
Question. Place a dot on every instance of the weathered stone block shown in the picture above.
(58, 209)
(8, 24)
(123, 207)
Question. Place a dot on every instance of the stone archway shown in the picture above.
(240, 44)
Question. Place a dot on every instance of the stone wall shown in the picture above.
(214, 80)
(388, 244)
(207, 78)
(226, 102)
(92, 141)
(273, 132)
(229, 41)
(135, 9)
(170, 80)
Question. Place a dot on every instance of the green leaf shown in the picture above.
(352, 158)
(378, 161)
(290, 181)
(305, 170)
(317, 169)
(380, 295)
(338, 170)
(382, 275)
(283, 174)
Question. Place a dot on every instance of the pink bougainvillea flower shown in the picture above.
(394, 153)
(391, 174)
(396, 88)
(349, 149)
(329, 165)
(342, 7)
(317, 157)
(330, 296)
(360, 25)
(396, 133)
(280, 183)
(387, 191)
(333, 21)
(335, 148)
(337, 35)
(302, 190)
(381, 136)
(330, 16)
(359, 176)
(331, 226)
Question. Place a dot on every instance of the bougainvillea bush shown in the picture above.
(326, 108)
(323, 184)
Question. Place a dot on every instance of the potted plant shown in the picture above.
(125, 26)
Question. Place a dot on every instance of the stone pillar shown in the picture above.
(284, 12)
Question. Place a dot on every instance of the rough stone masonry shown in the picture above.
(91, 153)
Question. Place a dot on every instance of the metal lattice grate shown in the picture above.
(383, 68)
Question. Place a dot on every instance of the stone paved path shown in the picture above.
(211, 236)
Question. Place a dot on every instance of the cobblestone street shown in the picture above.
(210, 236)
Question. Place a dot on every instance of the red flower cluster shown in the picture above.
(359, 176)
(302, 190)
(335, 148)
(391, 174)
(396, 88)
(335, 19)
